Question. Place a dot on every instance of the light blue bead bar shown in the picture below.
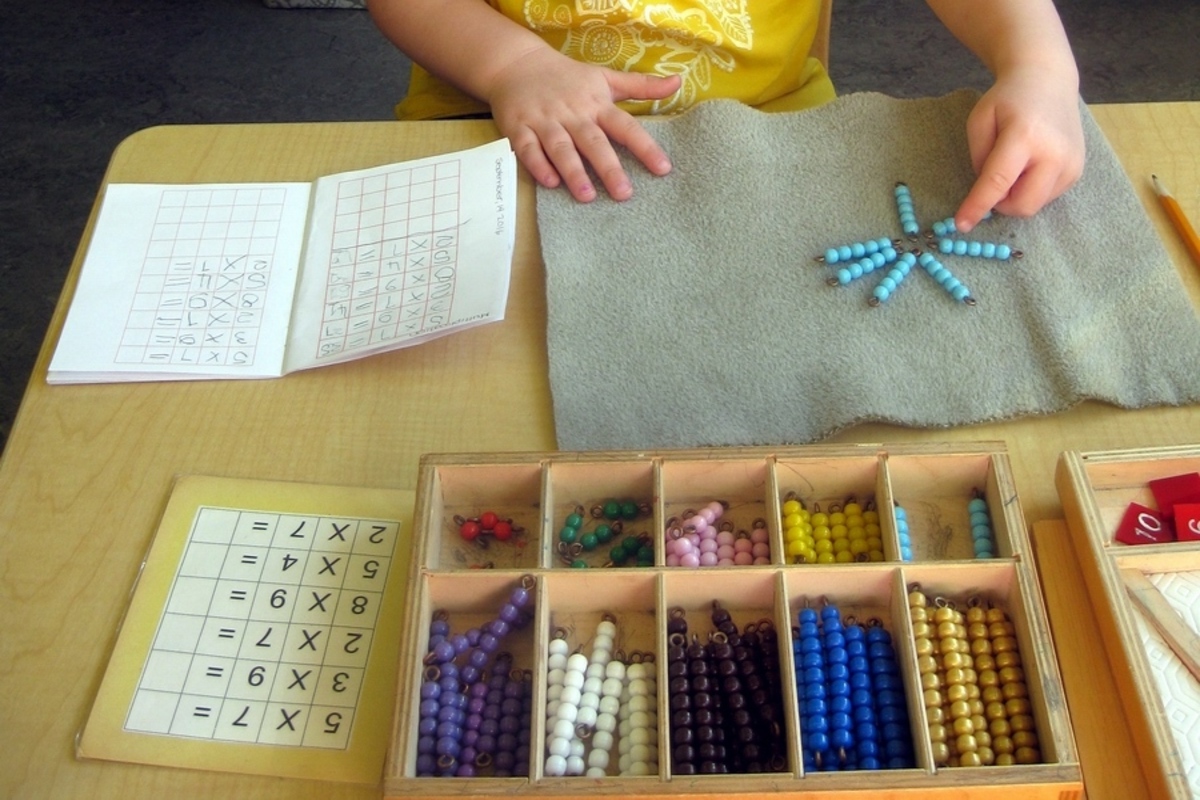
(963, 247)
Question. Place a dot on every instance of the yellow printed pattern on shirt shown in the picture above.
(695, 43)
(755, 51)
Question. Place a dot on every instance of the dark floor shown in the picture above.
(78, 76)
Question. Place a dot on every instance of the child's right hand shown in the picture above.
(1026, 142)
(559, 113)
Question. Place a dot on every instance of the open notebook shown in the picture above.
(256, 280)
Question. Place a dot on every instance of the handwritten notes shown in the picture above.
(258, 280)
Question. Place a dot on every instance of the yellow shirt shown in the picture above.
(755, 51)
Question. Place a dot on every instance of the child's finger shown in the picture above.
(639, 86)
(1032, 190)
(593, 144)
(565, 158)
(625, 130)
(551, 157)
(528, 150)
(1001, 169)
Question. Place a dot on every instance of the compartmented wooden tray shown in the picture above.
(1161, 699)
(572, 590)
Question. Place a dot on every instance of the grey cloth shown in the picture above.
(695, 315)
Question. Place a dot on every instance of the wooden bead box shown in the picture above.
(1160, 698)
(537, 491)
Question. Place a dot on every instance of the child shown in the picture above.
(564, 78)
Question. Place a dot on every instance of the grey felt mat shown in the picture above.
(695, 315)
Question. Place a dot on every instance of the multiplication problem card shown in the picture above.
(262, 634)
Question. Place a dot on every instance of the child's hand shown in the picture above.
(559, 113)
(1026, 144)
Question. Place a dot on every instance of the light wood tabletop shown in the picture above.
(87, 469)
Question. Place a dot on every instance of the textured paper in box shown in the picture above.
(1177, 687)
(693, 314)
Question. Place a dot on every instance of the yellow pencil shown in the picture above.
(1184, 228)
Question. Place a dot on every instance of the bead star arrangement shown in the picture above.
(860, 259)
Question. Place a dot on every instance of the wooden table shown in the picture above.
(87, 469)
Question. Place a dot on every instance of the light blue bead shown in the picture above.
(974, 249)
(960, 248)
(981, 532)
(845, 253)
(977, 504)
(881, 293)
(944, 227)
(858, 250)
(856, 270)
(877, 260)
(888, 283)
(889, 254)
(961, 293)
(946, 245)
(831, 256)
(1003, 251)
(989, 250)
(870, 246)
(844, 276)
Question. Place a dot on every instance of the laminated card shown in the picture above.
(262, 635)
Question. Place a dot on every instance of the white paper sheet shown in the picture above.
(185, 282)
